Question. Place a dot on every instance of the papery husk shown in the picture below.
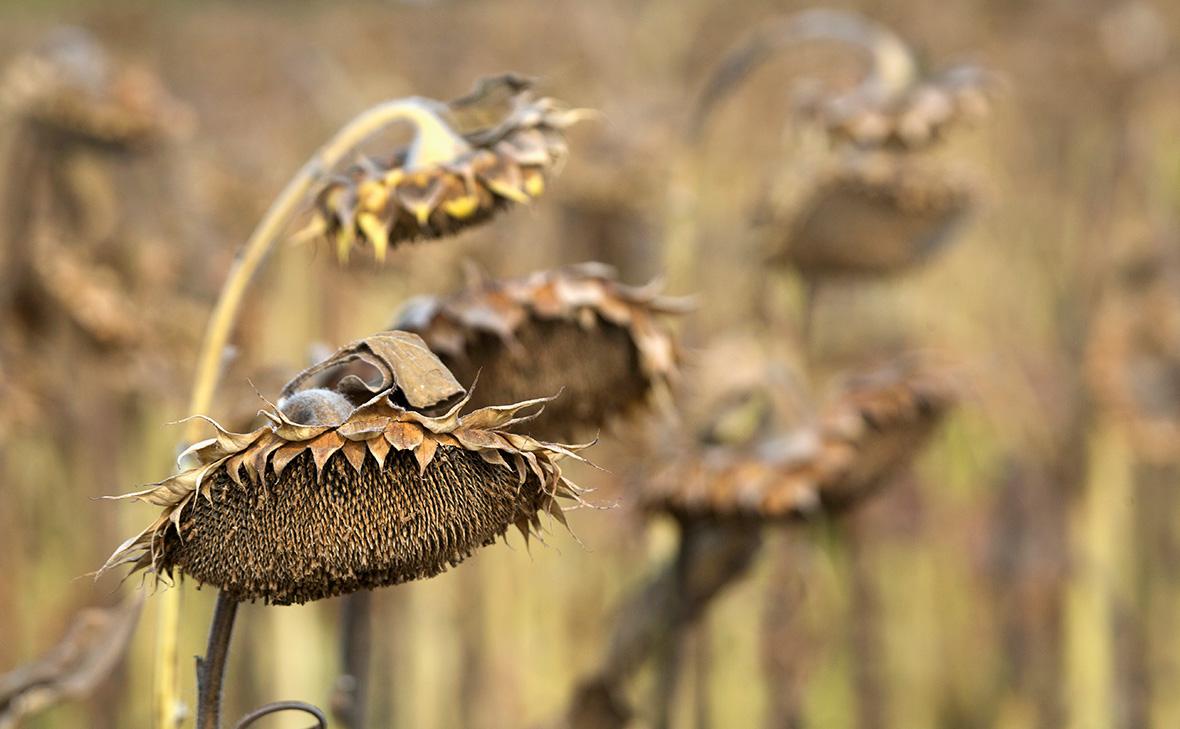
(1133, 356)
(869, 433)
(512, 143)
(293, 512)
(70, 87)
(576, 331)
(875, 216)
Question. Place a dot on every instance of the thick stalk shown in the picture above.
(655, 617)
(211, 668)
(225, 314)
(350, 698)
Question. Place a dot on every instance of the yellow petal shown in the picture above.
(375, 232)
(534, 183)
(462, 207)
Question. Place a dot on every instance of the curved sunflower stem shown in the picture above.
(224, 317)
(276, 707)
(211, 668)
(892, 69)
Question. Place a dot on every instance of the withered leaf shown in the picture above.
(401, 360)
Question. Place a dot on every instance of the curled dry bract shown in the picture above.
(469, 159)
(294, 512)
(574, 330)
(871, 431)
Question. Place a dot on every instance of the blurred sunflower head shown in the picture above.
(870, 432)
(573, 330)
(1133, 355)
(375, 480)
(874, 215)
(68, 87)
(894, 105)
(469, 159)
(912, 117)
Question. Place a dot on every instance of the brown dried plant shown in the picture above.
(873, 429)
(352, 487)
(874, 216)
(1133, 354)
(722, 494)
(576, 331)
(70, 87)
(471, 158)
(895, 105)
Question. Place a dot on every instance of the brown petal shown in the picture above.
(323, 447)
(404, 436)
(425, 454)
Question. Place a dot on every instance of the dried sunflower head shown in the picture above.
(469, 159)
(872, 430)
(1133, 356)
(895, 105)
(355, 486)
(875, 216)
(912, 117)
(574, 330)
(69, 86)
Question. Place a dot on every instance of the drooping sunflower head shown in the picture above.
(895, 105)
(912, 117)
(1133, 354)
(69, 87)
(874, 216)
(576, 330)
(468, 160)
(873, 429)
(373, 480)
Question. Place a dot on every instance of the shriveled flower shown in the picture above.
(350, 487)
(1133, 357)
(895, 105)
(469, 159)
(873, 216)
(70, 86)
(574, 330)
(870, 432)
(911, 117)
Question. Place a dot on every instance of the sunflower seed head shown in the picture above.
(332, 497)
(875, 216)
(469, 159)
(871, 431)
(575, 330)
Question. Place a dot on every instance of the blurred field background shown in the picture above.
(1023, 575)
